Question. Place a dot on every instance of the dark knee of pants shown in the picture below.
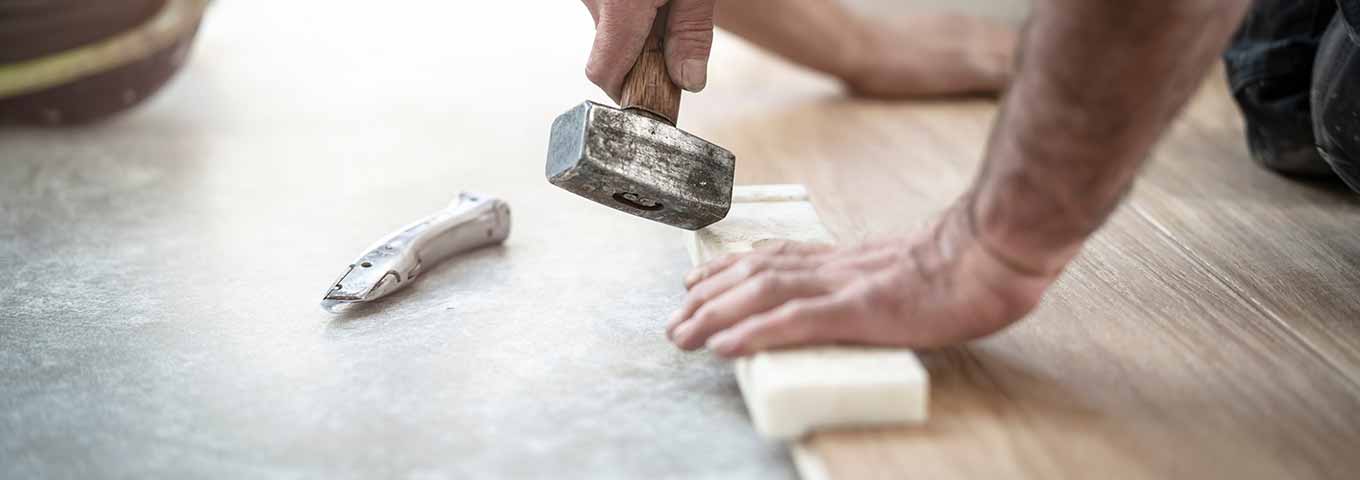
(1270, 72)
(1336, 101)
(1279, 129)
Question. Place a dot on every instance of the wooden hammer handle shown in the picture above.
(648, 86)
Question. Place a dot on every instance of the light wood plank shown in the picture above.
(1142, 362)
(1138, 364)
(792, 392)
(1289, 248)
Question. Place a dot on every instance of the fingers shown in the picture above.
(824, 319)
(763, 247)
(759, 294)
(746, 268)
(708, 269)
(712, 279)
(689, 37)
(621, 27)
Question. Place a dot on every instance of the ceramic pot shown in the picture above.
(66, 62)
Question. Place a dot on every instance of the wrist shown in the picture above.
(1018, 286)
(1013, 246)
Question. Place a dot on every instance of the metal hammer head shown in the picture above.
(640, 165)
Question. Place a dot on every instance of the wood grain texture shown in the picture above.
(1139, 364)
(648, 86)
(1206, 331)
(1291, 249)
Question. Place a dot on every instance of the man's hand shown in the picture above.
(621, 27)
(1070, 136)
(937, 288)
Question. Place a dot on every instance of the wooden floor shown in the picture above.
(1212, 328)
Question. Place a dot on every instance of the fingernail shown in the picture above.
(722, 343)
(681, 333)
(672, 322)
(693, 74)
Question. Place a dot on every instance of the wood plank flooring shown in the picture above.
(1210, 329)
(1290, 248)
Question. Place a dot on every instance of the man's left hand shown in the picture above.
(935, 288)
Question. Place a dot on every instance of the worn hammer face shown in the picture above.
(639, 165)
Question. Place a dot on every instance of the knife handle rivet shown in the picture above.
(365, 264)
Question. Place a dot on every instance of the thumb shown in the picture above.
(689, 37)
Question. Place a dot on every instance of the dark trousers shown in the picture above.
(1294, 69)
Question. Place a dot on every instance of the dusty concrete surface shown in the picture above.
(158, 312)
(158, 309)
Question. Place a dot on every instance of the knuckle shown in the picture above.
(751, 266)
(595, 73)
(793, 322)
(692, 29)
(766, 283)
(692, 16)
(876, 294)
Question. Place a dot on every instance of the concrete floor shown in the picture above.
(160, 307)
(159, 316)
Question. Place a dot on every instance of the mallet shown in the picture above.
(634, 159)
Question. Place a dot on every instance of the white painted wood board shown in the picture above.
(790, 393)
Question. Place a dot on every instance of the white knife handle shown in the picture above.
(472, 221)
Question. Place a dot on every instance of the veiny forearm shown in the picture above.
(1098, 83)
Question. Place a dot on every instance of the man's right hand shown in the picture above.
(621, 27)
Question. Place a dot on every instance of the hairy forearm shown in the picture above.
(1098, 83)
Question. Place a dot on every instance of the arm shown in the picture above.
(1098, 83)
(949, 53)
(898, 56)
